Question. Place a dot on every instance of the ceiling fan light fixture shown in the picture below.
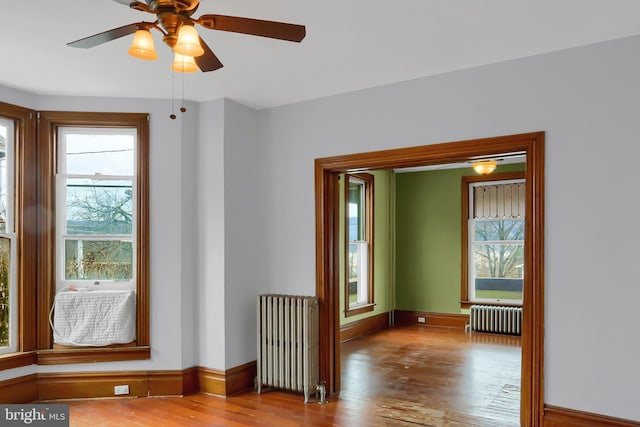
(188, 43)
(484, 167)
(142, 46)
(184, 64)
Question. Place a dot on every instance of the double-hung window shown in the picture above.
(359, 236)
(495, 241)
(93, 188)
(8, 284)
(96, 209)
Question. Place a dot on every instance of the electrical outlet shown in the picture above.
(121, 389)
(422, 320)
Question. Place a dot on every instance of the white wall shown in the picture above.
(189, 200)
(588, 102)
(17, 97)
(245, 230)
(211, 236)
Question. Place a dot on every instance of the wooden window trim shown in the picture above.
(369, 219)
(464, 228)
(25, 205)
(92, 355)
(48, 122)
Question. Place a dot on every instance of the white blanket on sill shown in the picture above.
(94, 318)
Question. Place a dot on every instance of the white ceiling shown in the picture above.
(350, 45)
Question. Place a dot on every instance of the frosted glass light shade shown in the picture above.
(184, 64)
(188, 43)
(484, 167)
(142, 46)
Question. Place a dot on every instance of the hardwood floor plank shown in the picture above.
(409, 376)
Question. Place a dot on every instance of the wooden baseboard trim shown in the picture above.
(92, 385)
(364, 326)
(173, 383)
(226, 383)
(211, 381)
(447, 320)
(19, 390)
(240, 378)
(555, 416)
(85, 385)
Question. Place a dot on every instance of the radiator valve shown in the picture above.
(321, 389)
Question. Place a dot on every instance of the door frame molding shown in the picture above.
(327, 243)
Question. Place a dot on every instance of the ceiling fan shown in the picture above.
(174, 19)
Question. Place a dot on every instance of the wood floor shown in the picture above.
(400, 377)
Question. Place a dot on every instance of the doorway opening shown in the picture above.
(327, 171)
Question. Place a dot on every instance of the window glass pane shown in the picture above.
(499, 271)
(5, 275)
(107, 154)
(499, 230)
(356, 211)
(6, 129)
(99, 206)
(98, 260)
(358, 272)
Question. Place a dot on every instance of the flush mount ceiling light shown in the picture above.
(174, 20)
(484, 167)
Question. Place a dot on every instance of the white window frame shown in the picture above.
(471, 243)
(61, 180)
(11, 235)
(363, 274)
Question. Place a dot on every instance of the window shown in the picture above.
(8, 284)
(359, 243)
(495, 241)
(94, 177)
(18, 236)
(96, 207)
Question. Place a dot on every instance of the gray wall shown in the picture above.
(587, 101)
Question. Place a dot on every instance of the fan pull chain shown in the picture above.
(183, 109)
(172, 116)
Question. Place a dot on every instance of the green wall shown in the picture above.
(383, 259)
(428, 246)
(416, 241)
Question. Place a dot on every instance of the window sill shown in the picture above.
(91, 355)
(17, 360)
(468, 304)
(359, 310)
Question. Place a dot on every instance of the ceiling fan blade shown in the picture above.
(208, 61)
(107, 36)
(125, 2)
(255, 27)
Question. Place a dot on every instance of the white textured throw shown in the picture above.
(94, 318)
